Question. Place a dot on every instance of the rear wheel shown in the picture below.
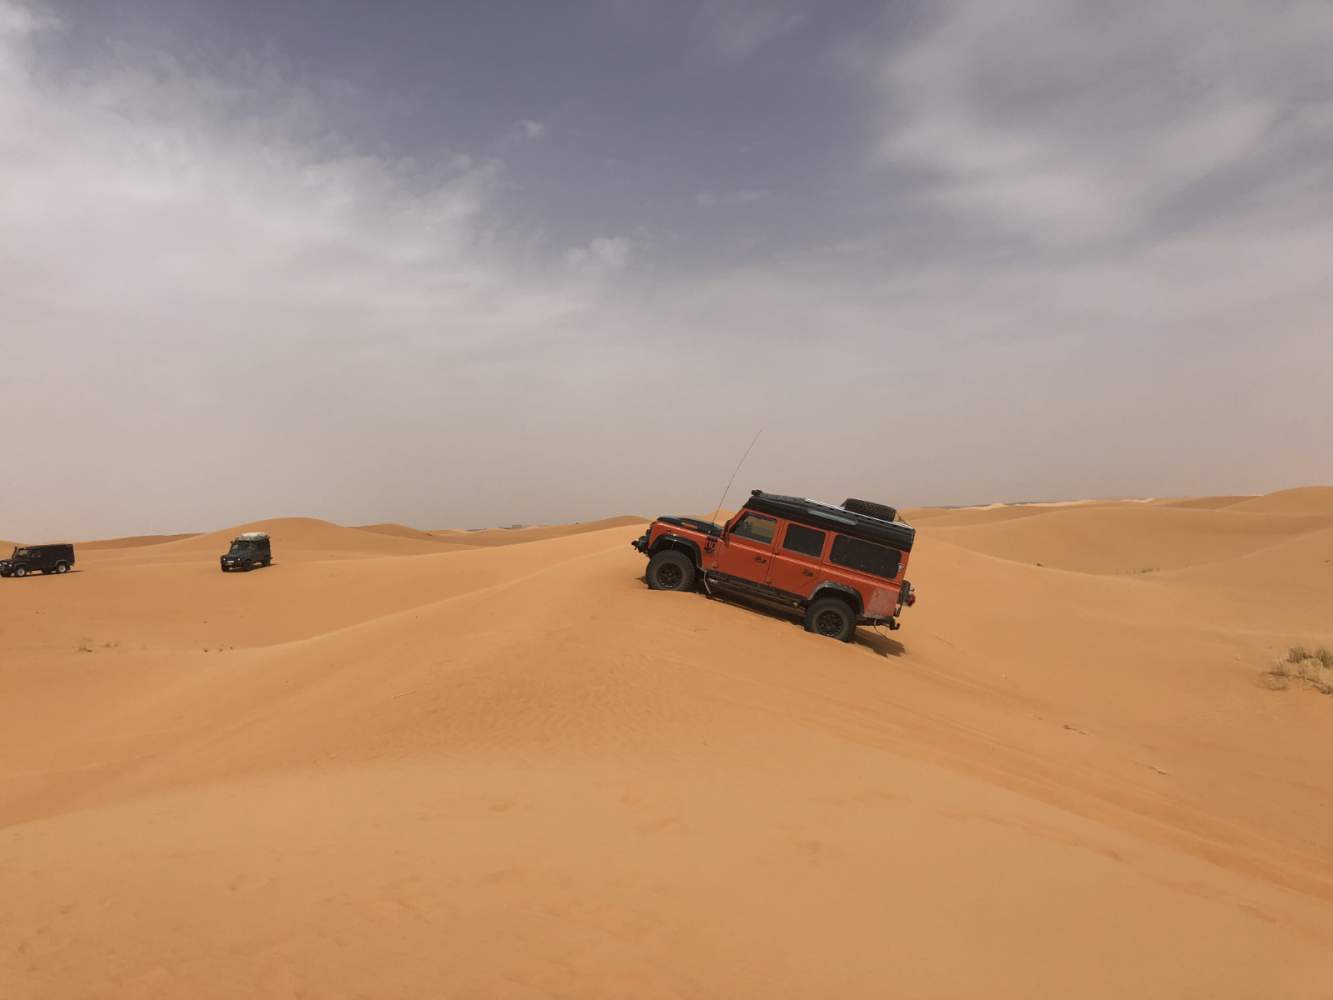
(268, 561)
(831, 617)
(670, 570)
(62, 567)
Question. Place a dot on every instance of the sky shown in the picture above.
(484, 263)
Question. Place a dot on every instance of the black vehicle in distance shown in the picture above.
(38, 559)
(248, 551)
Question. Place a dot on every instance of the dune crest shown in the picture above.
(1302, 500)
(533, 533)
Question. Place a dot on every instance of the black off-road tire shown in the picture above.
(670, 570)
(62, 567)
(20, 570)
(267, 563)
(831, 617)
(871, 509)
(248, 566)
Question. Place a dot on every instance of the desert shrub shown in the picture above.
(1313, 667)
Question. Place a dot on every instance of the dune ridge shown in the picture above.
(532, 533)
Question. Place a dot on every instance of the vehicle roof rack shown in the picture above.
(899, 534)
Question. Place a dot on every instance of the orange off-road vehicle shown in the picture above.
(842, 566)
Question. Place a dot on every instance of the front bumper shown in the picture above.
(641, 543)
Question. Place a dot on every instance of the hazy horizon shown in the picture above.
(489, 264)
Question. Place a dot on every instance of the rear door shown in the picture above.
(746, 553)
(796, 561)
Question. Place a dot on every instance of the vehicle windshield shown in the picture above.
(238, 547)
(21, 553)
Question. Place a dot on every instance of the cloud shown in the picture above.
(529, 129)
(739, 28)
(603, 255)
(744, 196)
(1067, 123)
(17, 21)
(196, 266)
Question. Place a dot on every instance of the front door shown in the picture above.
(747, 550)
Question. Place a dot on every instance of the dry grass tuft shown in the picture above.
(1313, 668)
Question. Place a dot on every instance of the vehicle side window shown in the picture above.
(807, 541)
(877, 560)
(756, 527)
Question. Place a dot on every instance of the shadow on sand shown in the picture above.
(875, 640)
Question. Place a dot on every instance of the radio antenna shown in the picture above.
(723, 497)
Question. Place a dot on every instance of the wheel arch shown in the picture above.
(841, 591)
(685, 545)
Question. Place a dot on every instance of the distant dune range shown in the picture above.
(513, 536)
(406, 763)
(132, 542)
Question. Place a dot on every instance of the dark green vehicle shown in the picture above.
(248, 551)
(38, 559)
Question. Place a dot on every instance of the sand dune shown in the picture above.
(131, 542)
(515, 536)
(1303, 500)
(1118, 539)
(398, 531)
(392, 767)
(1201, 503)
(294, 538)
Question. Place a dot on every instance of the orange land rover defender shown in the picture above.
(842, 566)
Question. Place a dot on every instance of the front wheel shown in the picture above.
(831, 617)
(670, 570)
(21, 571)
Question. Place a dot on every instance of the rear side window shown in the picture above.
(877, 560)
(756, 527)
(806, 541)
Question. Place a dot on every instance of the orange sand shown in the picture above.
(494, 765)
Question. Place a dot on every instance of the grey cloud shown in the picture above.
(738, 28)
(602, 255)
(529, 129)
(744, 196)
(1068, 123)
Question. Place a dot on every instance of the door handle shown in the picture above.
(806, 572)
(760, 559)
